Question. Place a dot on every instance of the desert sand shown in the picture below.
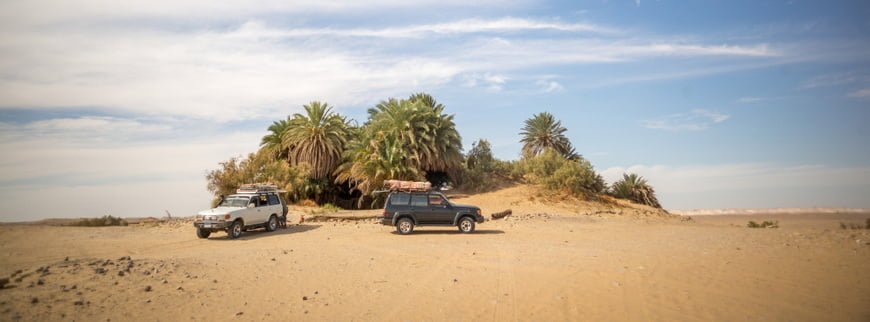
(547, 262)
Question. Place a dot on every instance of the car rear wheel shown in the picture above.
(235, 230)
(405, 226)
(466, 225)
(272, 224)
(202, 233)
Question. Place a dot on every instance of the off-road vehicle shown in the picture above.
(253, 206)
(407, 209)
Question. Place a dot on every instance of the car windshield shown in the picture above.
(234, 202)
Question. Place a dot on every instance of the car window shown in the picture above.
(436, 200)
(400, 199)
(419, 200)
(234, 202)
(273, 200)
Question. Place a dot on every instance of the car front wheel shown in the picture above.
(466, 225)
(202, 233)
(235, 230)
(405, 226)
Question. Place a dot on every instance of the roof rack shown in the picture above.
(257, 187)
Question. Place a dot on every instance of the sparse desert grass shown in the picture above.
(855, 226)
(101, 222)
(325, 209)
(764, 224)
(328, 207)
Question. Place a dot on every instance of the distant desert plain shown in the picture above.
(549, 261)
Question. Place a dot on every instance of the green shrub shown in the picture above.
(635, 188)
(555, 172)
(483, 172)
(328, 207)
(101, 222)
(764, 224)
(855, 226)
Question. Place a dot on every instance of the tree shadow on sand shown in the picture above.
(262, 233)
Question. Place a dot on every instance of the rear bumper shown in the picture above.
(209, 224)
(387, 221)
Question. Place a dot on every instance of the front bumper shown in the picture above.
(210, 224)
(479, 219)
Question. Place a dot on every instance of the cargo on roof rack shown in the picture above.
(399, 185)
(257, 187)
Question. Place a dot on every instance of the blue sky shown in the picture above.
(120, 108)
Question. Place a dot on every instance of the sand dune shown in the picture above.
(544, 263)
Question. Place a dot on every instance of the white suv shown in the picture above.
(253, 206)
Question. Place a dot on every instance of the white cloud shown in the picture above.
(100, 165)
(491, 82)
(752, 185)
(834, 79)
(861, 93)
(205, 74)
(257, 70)
(695, 120)
(115, 148)
(466, 26)
(550, 86)
(46, 12)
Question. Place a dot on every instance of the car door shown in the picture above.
(275, 205)
(249, 214)
(253, 216)
(440, 209)
(420, 208)
(400, 202)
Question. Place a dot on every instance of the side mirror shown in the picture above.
(251, 205)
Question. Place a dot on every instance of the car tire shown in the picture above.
(466, 225)
(405, 226)
(272, 224)
(202, 233)
(235, 230)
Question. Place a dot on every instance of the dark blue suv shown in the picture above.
(404, 210)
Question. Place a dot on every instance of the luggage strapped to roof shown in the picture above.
(257, 187)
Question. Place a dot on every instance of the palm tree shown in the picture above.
(426, 133)
(317, 138)
(403, 139)
(635, 188)
(543, 131)
(273, 142)
(373, 159)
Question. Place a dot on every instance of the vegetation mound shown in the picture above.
(322, 156)
(100, 222)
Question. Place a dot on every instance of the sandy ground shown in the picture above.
(540, 267)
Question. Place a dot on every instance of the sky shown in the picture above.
(120, 107)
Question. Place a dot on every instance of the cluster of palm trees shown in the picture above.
(321, 152)
(404, 139)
